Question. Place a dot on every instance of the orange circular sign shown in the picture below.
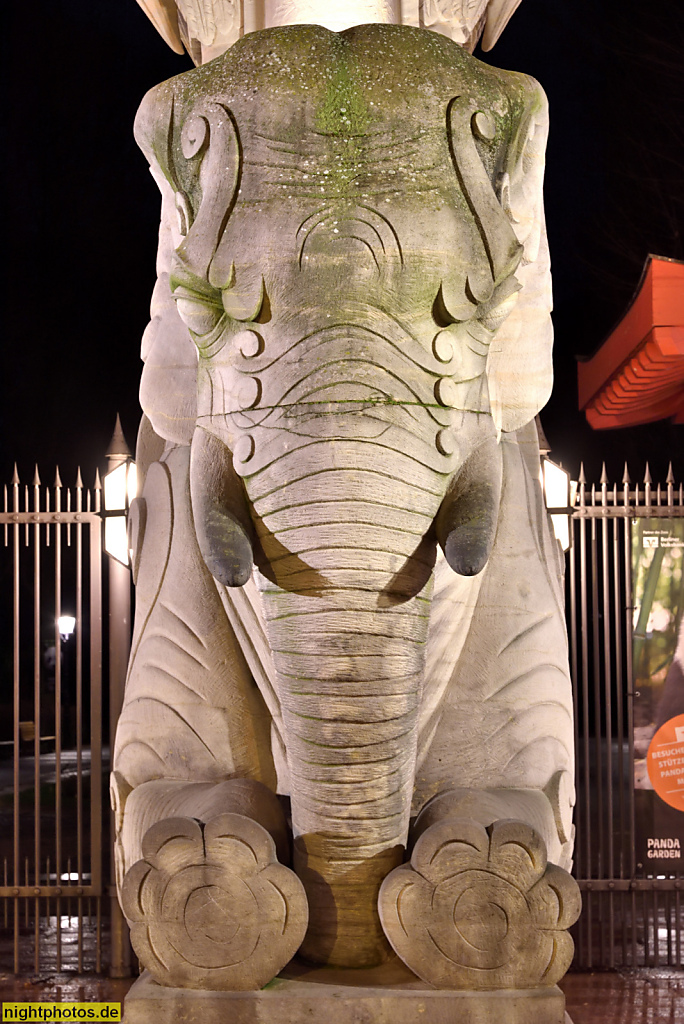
(665, 761)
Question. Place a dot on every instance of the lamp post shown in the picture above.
(558, 489)
(120, 483)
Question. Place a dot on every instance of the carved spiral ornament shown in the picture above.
(210, 907)
(480, 908)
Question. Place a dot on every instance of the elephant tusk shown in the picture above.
(466, 521)
(219, 508)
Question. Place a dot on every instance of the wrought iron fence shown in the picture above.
(632, 915)
(51, 755)
(51, 749)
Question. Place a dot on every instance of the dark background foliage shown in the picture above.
(81, 211)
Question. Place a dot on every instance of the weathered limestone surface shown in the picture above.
(481, 908)
(386, 995)
(348, 591)
(209, 905)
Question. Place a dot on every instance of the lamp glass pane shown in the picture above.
(561, 528)
(556, 485)
(116, 538)
(556, 495)
(115, 488)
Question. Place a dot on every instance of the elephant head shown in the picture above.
(365, 282)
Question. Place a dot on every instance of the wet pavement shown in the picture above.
(642, 997)
(79, 943)
(69, 761)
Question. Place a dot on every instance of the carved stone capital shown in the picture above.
(480, 908)
(210, 907)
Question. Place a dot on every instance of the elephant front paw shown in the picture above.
(480, 908)
(210, 907)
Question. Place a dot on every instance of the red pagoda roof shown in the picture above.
(637, 374)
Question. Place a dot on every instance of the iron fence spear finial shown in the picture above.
(647, 485)
(582, 480)
(669, 480)
(625, 486)
(98, 490)
(79, 490)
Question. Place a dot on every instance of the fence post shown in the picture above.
(119, 651)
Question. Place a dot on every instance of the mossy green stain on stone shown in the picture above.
(373, 86)
(344, 111)
(353, 80)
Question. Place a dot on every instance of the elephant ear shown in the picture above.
(519, 364)
(168, 386)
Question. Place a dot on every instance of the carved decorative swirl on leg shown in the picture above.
(210, 907)
(480, 908)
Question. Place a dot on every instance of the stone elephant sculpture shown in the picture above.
(348, 593)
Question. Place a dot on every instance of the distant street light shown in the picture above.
(66, 625)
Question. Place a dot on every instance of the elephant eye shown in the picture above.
(264, 314)
(440, 313)
(198, 313)
(246, 304)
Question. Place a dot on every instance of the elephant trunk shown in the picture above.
(345, 578)
(348, 677)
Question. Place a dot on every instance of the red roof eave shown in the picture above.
(637, 374)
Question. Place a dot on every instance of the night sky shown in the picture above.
(81, 210)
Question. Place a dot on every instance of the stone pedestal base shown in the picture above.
(390, 994)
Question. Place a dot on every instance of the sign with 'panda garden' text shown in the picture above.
(658, 683)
